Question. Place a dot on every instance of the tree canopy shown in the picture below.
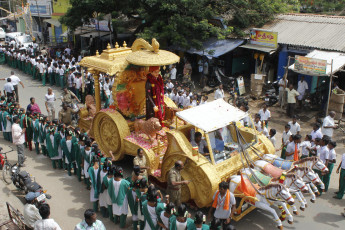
(185, 23)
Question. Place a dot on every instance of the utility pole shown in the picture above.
(39, 18)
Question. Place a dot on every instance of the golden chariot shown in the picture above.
(113, 128)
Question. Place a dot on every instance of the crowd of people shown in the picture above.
(113, 195)
(78, 154)
(318, 143)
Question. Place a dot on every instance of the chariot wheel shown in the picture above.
(200, 187)
(109, 129)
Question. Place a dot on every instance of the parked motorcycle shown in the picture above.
(23, 181)
(272, 93)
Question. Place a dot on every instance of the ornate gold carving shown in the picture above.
(110, 128)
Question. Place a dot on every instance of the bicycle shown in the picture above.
(7, 167)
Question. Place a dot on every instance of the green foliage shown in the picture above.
(180, 22)
(256, 13)
(318, 6)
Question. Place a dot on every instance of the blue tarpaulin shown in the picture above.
(214, 48)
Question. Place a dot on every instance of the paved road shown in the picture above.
(70, 198)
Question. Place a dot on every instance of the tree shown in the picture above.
(180, 22)
(255, 13)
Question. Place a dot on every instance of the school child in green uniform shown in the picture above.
(152, 210)
(199, 221)
(104, 198)
(105, 182)
(43, 133)
(96, 182)
(7, 122)
(87, 156)
(68, 152)
(56, 157)
(164, 220)
(181, 219)
(332, 156)
(36, 125)
(118, 189)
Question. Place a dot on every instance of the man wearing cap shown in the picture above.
(154, 94)
(31, 213)
(174, 183)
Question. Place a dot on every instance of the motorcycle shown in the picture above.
(272, 93)
(23, 181)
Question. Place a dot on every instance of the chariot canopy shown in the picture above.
(212, 115)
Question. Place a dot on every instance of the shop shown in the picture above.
(41, 10)
(260, 52)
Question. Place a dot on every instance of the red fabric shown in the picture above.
(2, 160)
(157, 86)
(153, 68)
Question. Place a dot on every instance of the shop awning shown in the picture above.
(338, 62)
(215, 115)
(214, 48)
(94, 34)
(52, 21)
(269, 50)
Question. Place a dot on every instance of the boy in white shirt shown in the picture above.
(332, 156)
(265, 114)
(272, 137)
(292, 149)
(306, 145)
(285, 140)
(257, 122)
(295, 128)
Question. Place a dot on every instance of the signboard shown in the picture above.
(312, 65)
(40, 8)
(264, 38)
(241, 87)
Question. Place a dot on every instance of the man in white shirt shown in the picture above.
(49, 102)
(341, 169)
(46, 223)
(219, 93)
(9, 89)
(265, 114)
(15, 81)
(31, 213)
(291, 100)
(328, 124)
(18, 135)
(295, 128)
(173, 73)
(90, 222)
(282, 86)
(220, 212)
(301, 89)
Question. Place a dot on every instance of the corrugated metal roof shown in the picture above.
(318, 31)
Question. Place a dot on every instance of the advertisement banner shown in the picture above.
(241, 87)
(312, 65)
(41, 10)
(264, 38)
